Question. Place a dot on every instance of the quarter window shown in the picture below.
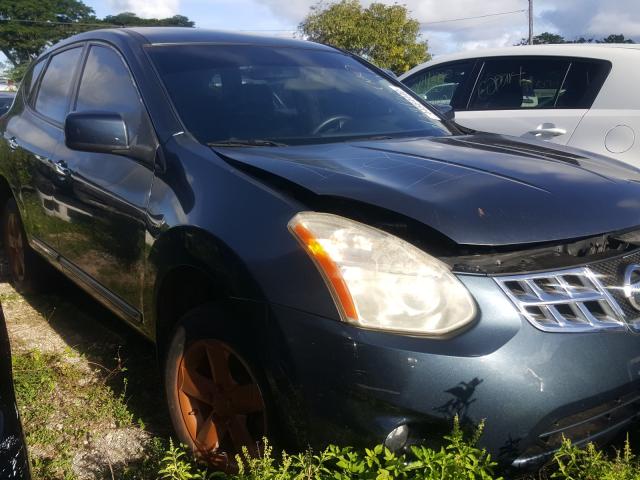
(32, 77)
(438, 85)
(519, 83)
(583, 82)
(107, 85)
(55, 87)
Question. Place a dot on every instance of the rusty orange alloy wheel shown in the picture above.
(14, 244)
(220, 401)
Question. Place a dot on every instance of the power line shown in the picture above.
(472, 18)
(50, 22)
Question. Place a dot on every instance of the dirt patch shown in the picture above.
(88, 388)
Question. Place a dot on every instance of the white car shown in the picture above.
(583, 95)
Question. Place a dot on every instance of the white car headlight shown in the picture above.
(380, 281)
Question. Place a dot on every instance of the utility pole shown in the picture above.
(530, 22)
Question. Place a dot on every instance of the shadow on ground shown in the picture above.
(110, 344)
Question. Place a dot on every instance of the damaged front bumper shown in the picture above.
(341, 384)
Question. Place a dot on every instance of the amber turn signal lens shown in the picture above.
(329, 269)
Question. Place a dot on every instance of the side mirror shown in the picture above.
(101, 132)
(446, 111)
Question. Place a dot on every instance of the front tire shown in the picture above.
(214, 393)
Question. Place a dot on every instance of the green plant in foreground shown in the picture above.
(589, 463)
(177, 464)
(458, 459)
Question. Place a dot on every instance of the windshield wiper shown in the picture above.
(253, 142)
(375, 137)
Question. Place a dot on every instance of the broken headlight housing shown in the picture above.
(379, 281)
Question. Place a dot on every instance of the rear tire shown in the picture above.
(215, 392)
(28, 272)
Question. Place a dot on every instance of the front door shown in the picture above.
(104, 241)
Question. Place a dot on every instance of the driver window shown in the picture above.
(438, 85)
(107, 85)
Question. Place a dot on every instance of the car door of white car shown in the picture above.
(518, 96)
(532, 97)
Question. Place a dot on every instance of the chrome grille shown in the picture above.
(572, 300)
(611, 274)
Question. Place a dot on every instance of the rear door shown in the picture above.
(103, 248)
(33, 134)
(526, 96)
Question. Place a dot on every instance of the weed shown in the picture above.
(459, 459)
(61, 403)
(589, 463)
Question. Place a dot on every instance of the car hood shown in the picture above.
(480, 189)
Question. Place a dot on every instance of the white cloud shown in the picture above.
(571, 18)
(147, 8)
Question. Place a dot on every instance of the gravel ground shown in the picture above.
(68, 323)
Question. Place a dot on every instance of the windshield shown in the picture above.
(266, 95)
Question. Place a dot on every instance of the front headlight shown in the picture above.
(379, 281)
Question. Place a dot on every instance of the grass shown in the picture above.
(459, 459)
(65, 402)
(84, 420)
(62, 403)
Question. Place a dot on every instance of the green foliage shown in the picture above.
(22, 41)
(177, 464)
(459, 459)
(27, 27)
(616, 38)
(547, 37)
(383, 34)
(131, 19)
(589, 463)
(59, 405)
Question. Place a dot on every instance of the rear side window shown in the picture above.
(438, 85)
(509, 83)
(583, 82)
(31, 77)
(55, 87)
(107, 85)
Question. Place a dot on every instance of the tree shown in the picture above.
(544, 38)
(383, 34)
(27, 26)
(131, 19)
(616, 38)
(547, 37)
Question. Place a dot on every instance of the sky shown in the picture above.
(571, 18)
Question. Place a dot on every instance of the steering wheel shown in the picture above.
(329, 121)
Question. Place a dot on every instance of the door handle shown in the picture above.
(13, 143)
(547, 132)
(61, 168)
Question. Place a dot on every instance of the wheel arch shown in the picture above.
(188, 267)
